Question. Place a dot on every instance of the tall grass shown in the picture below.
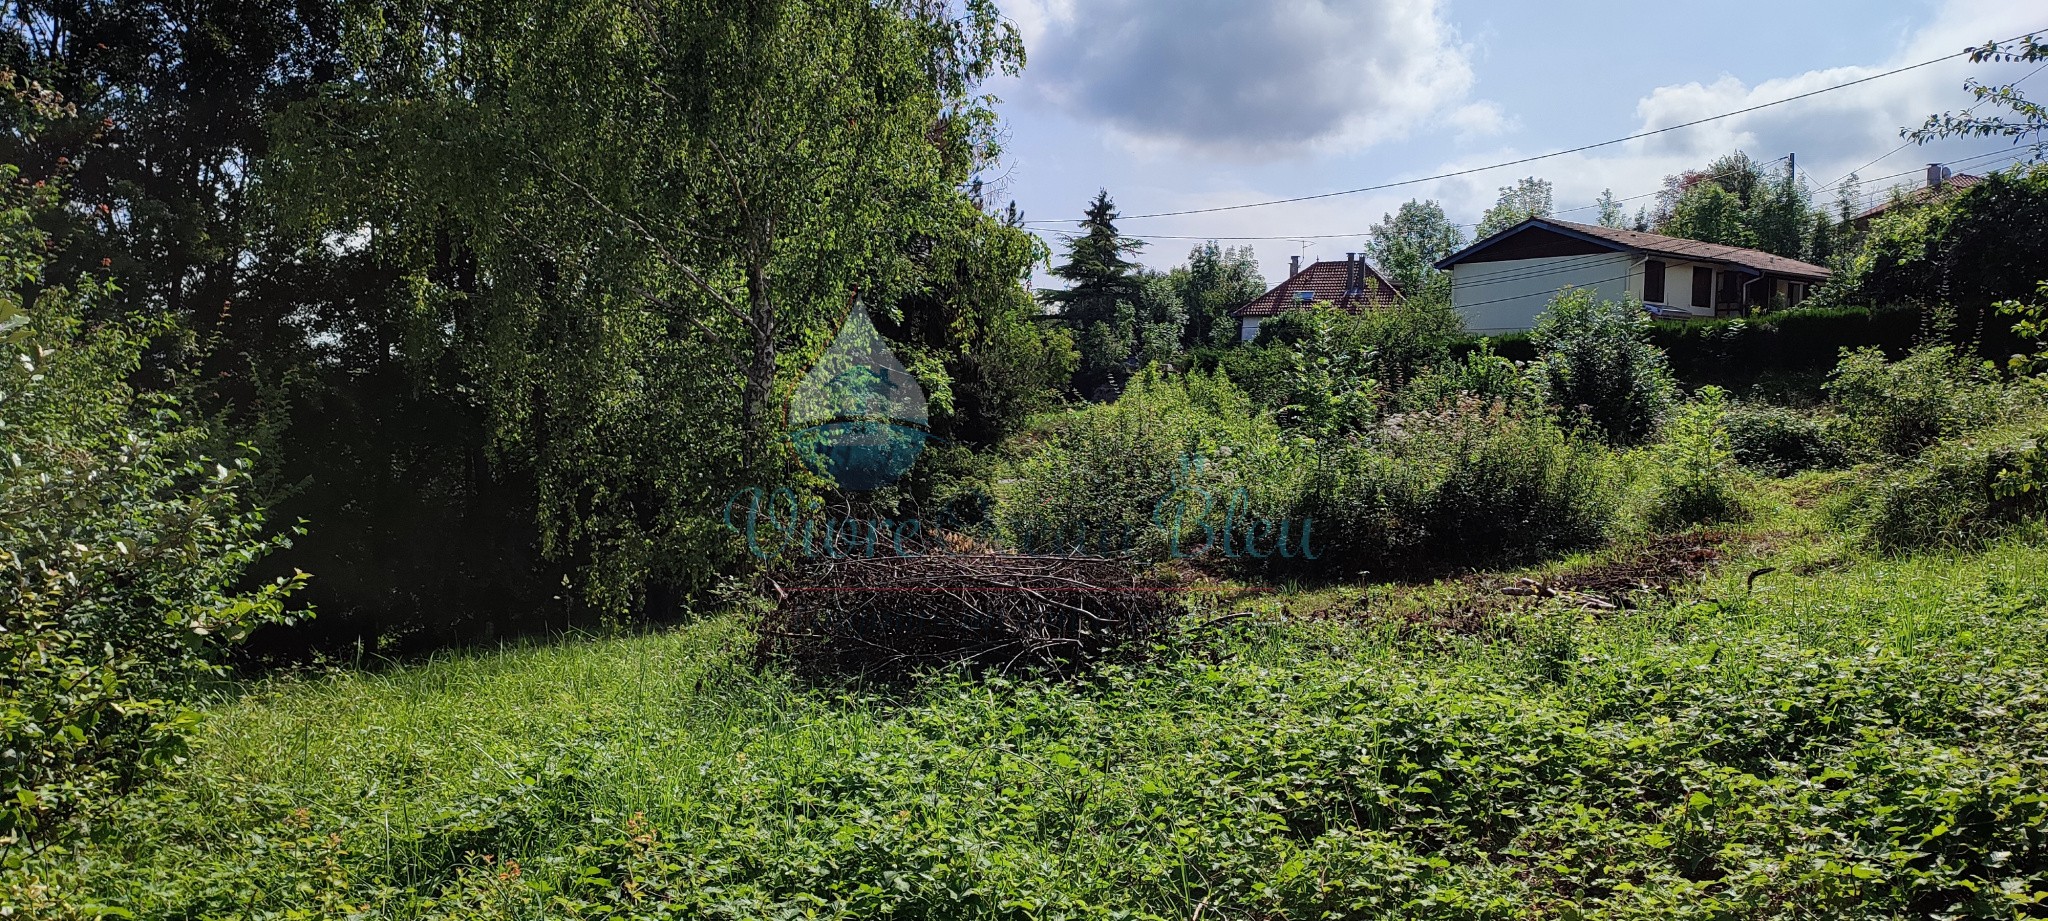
(1722, 755)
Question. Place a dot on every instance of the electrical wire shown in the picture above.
(1912, 141)
(1758, 165)
(1557, 153)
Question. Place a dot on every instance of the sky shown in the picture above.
(1180, 104)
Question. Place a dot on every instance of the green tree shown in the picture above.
(1527, 198)
(2024, 121)
(1597, 365)
(1709, 213)
(1610, 210)
(1215, 281)
(633, 225)
(1406, 245)
(1098, 272)
(125, 545)
(1777, 220)
(1849, 198)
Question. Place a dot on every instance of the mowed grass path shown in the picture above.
(1855, 736)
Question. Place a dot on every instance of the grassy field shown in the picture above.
(1847, 736)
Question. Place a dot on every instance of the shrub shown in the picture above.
(1961, 491)
(1693, 477)
(1469, 483)
(1106, 477)
(1899, 407)
(1597, 366)
(1970, 248)
(121, 546)
(1480, 374)
(1777, 441)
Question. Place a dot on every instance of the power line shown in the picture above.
(1911, 141)
(1558, 153)
(1759, 165)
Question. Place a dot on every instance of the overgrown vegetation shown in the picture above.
(123, 549)
(1379, 620)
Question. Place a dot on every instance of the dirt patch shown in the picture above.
(1654, 567)
(1631, 576)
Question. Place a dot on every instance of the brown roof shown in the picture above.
(1923, 195)
(1323, 281)
(1657, 245)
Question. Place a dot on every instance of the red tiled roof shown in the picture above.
(1323, 281)
(1924, 194)
(1659, 245)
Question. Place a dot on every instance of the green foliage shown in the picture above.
(1406, 245)
(1527, 198)
(1777, 441)
(2032, 324)
(1597, 366)
(1106, 478)
(1967, 250)
(1693, 477)
(1899, 407)
(1959, 492)
(1724, 754)
(1215, 281)
(1610, 214)
(1709, 213)
(1734, 201)
(123, 551)
(1461, 484)
(624, 252)
(1098, 273)
(2025, 121)
(1479, 374)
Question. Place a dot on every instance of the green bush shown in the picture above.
(121, 548)
(1470, 483)
(1896, 408)
(1480, 374)
(1969, 250)
(1693, 477)
(1598, 367)
(1173, 454)
(1778, 441)
(1960, 492)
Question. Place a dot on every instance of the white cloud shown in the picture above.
(1841, 130)
(1223, 77)
(1480, 119)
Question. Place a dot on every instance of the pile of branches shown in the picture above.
(887, 618)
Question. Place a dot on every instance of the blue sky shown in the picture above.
(1177, 104)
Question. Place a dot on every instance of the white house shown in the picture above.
(1501, 283)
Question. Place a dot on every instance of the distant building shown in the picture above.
(1940, 184)
(1501, 283)
(1352, 285)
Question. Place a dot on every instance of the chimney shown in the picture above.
(1936, 175)
(1293, 266)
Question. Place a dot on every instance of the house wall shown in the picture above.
(1503, 297)
(1677, 288)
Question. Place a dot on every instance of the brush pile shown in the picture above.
(888, 617)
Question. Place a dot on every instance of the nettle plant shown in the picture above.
(123, 550)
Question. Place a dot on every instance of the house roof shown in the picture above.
(1323, 281)
(1923, 195)
(1653, 244)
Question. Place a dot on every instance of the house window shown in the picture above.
(1795, 292)
(1731, 288)
(1653, 282)
(1702, 286)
